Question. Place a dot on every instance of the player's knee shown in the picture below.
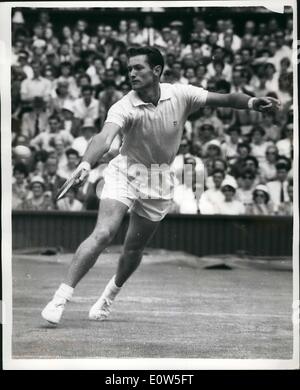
(103, 236)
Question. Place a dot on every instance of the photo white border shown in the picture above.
(141, 363)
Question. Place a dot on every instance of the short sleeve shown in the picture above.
(118, 114)
(195, 97)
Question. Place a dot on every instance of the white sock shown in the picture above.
(64, 292)
(111, 290)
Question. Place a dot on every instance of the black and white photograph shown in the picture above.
(150, 185)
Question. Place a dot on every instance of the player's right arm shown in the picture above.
(99, 145)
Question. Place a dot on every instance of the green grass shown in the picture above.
(172, 307)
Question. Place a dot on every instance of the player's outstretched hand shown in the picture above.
(265, 104)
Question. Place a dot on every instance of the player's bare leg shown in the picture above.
(139, 232)
(110, 215)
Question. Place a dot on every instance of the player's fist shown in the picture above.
(265, 104)
(81, 173)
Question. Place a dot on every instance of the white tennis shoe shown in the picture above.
(101, 309)
(53, 310)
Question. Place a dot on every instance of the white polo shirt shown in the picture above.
(152, 134)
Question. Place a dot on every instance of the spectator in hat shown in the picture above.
(73, 159)
(39, 52)
(286, 208)
(20, 186)
(211, 198)
(69, 202)
(38, 86)
(212, 149)
(285, 145)
(86, 106)
(36, 121)
(261, 204)
(88, 130)
(229, 205)
(278, 188)
(39, 200)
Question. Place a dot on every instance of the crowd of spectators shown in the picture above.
(63, 82)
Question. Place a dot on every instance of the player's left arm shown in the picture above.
(242, 101)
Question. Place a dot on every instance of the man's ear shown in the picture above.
(157, 70)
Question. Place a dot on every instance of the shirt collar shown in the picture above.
(165, 94)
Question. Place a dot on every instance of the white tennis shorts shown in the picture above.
(146, 191)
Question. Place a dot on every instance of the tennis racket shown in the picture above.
(66, 186)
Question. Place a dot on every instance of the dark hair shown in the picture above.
(284, 160)
(234, 128)
(65, 63)
(252, 158)
(87, 88)
(40, 155)
(244, 145)
(247, 172)
(22, 168)
(154, 56)
(282, 165)
(54, 116)
(219, 62)
(258, 128)
(216, 170)
(285, 130)
(223, 85)
(223, 161)
(109, 83)
(71, 151)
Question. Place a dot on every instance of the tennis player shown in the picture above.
(151, 119)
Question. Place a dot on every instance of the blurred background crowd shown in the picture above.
(66, 76)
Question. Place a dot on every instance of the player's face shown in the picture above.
(141, 75)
